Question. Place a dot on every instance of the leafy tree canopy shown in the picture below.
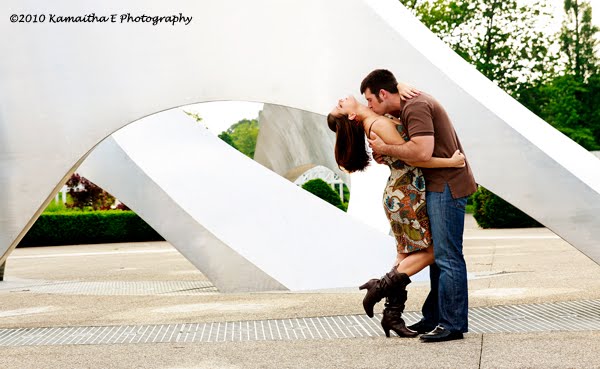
(243, 135)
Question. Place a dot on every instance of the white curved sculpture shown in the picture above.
(245, 227)
(64, 87)
(110, 167)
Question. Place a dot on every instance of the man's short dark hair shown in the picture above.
(379, 79)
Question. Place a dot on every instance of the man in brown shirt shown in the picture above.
(445, 311)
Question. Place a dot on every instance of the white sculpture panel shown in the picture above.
(245, 227)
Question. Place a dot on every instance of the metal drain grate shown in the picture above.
(565, 316)
(558, 316)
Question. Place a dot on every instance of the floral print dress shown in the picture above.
(404, 203)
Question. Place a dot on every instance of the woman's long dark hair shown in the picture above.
(350, 145)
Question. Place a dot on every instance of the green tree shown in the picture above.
(244, 135)
(503, 39)
(563, 105)
(570, 100)
(410, 4)
(578, 39)
(448, 19)
(227, 138)
(591, 100)
(578, 47)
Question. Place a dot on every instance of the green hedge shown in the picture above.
(70, 228)
(491, 211)
(321, 189)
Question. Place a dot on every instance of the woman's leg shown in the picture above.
(406, 265)
(399, 259)
(414, 262)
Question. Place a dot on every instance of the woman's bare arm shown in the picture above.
(385, 128)
(407, 91)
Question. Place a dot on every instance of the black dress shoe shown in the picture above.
(441, 334)
(421, 327)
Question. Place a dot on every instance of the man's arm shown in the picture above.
(418, 149)
(456, 161)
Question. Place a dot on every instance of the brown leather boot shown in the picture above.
(377, 289)
(392, 315)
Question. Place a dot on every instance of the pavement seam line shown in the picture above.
(481, 351)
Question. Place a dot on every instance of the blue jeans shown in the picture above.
(447, 302)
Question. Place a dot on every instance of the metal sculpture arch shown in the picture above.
(67, 86)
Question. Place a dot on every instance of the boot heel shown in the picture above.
(386, 330)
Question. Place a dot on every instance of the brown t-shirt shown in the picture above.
(424, 116)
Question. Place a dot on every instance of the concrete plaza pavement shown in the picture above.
(118, 284)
